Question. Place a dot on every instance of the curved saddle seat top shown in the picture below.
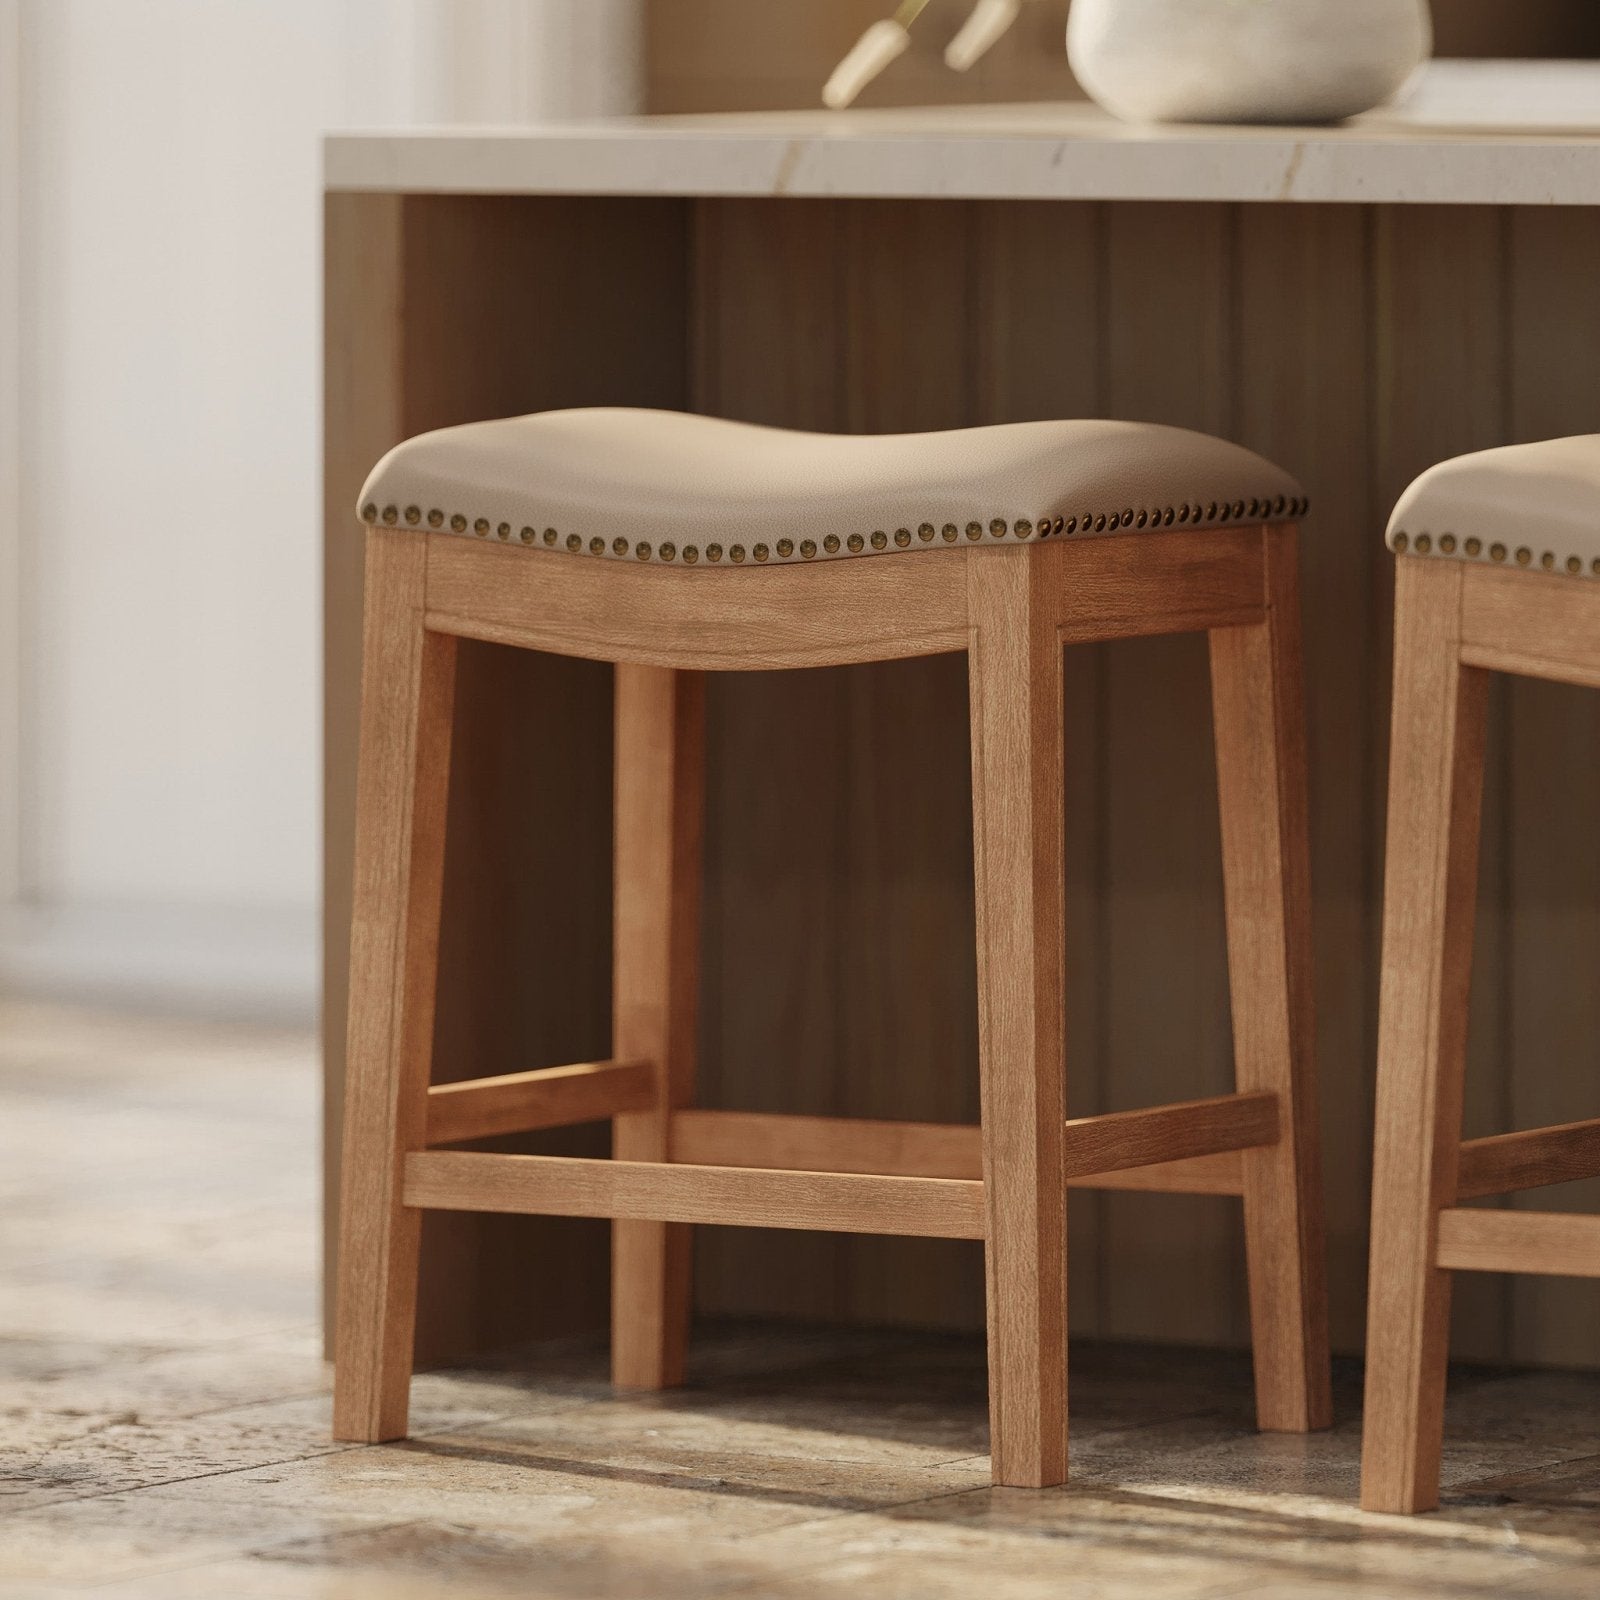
(1527, 505)
(666, 486)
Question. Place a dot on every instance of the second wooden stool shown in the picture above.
(675, 545)
(1498, 570)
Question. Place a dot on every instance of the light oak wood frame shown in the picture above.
(1005, 1182)
(1454, 623)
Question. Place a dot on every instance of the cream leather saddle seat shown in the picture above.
(1529, 505)
(665, 486)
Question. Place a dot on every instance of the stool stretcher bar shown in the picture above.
(1194, 1145)
(552, 1097)
(1556, 1244)
(659, 1191)
(1508, 1162)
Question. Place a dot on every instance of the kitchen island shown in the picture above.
(1354, 302)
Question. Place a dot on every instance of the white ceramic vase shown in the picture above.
(1245, 60)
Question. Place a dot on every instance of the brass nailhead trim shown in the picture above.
(1447, 544)
(1024, 528)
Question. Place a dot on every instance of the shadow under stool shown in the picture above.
(673, 546)
(1498, 570)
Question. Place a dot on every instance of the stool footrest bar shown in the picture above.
(551, 1097)
(1509, 1162)
(570, 1186)
(1555, 1243)
(1192, 1148)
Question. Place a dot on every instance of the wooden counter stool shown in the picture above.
(674, 545)
(1498, 570)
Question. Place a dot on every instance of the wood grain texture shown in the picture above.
(1531, 1159)
(1095, 1147)
(791, 616)
(547, 1097)
(658, 826)
(1549, 1243)
(408, 685)
(1258, 710)
(1014, 666)
(1435, 787)
(572, 1186)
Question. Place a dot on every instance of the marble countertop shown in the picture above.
(1469, 133)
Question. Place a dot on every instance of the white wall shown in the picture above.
(170, 403)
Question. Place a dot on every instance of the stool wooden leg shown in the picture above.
(1258, 707)
(1015, 666)
(660, 765)
(1430, 889)
(407, 695)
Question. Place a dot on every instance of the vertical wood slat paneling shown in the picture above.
(1302, 304)
(1440, 343)
(769, 348)
(1554, 793)
(1169, 358)
(908, 979)
(1039, 322)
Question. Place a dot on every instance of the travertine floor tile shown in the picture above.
(164, 1415)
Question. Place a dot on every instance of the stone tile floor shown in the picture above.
(164, 1414)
